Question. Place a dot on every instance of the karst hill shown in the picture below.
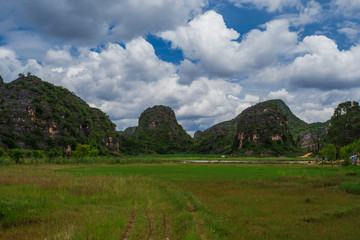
(35, 114)
(157, 132)
(222, 138)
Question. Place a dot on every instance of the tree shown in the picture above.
(329, 151)
(21, 75)
(82, 150)
(349, 150)
(345, 124)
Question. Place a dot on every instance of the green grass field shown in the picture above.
(179, 201)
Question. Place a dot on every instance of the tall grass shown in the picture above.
(147, 159)
(178, 201)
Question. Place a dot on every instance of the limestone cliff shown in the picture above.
(36, 114)
(263, 128)
(158, 131)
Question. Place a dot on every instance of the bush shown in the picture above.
(93, 152)
(38, 154)
(346, 162)
(55, 152)
(2, 152)
(16, 154)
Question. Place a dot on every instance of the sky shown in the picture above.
(207, 60)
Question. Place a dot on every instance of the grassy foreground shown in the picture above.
(179, 201)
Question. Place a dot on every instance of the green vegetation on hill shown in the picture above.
(297, 126)
(263, 129)
(35, 114)
(345, 124)
(158, 132)
(220, 137)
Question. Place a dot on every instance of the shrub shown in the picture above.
(38, 153)
(16, 154)
(93, 152)
(54, 152)
(346, 162)
(2, 152)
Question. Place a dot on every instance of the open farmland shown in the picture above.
(179, 201)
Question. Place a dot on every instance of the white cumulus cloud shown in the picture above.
(207, 39)
(269, 5)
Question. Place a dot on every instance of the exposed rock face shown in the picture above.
(297, 126)
(38, 115)
(158, 131)
(309, 141)
(128, 131)
(220, 137)
(263, 127)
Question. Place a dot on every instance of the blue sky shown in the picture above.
(208, 60)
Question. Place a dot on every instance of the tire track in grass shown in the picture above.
(130, 224)
(199, 223)
(150, 219)
(166, 225)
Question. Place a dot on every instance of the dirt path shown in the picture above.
(306, 155)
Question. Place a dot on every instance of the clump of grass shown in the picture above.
(14, 211)
(351, 187)
(309, 199)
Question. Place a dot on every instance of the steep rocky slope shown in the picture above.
(220, 137)
(158, 131)
(263, 128)
(299, 127)
(38, 115)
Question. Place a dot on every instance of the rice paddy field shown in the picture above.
(176, 200)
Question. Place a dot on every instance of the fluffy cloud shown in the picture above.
(269, 5)
(92, 21)
(317, 63)
(349, 8)
(351, 30)
(124, 81)
(324, 66)
(204, 89)
(207, 39)
(281, 94)
(311, 13)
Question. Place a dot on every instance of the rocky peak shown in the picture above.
(263, 125)
(158, 131)
(309, 141)
(36, 114)
(157, 117)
